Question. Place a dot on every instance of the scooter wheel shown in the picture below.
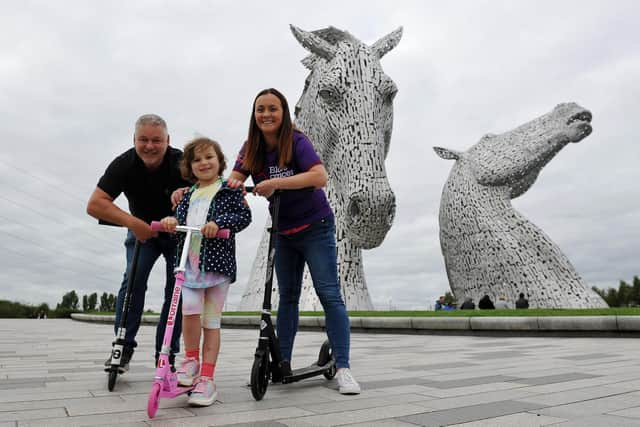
(326, 355)
(331, 372)
(260, 376)
(154, 397)
(113, 374)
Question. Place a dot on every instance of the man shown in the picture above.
(502, 304)
(147, 174)
(522, 302)
(468, 304)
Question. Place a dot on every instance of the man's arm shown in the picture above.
(101, 206)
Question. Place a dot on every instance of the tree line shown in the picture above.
(627, 295)
(70, 304)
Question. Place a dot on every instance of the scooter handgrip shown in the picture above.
(157, 226)
(223, 233)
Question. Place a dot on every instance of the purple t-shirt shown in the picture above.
(296, 207)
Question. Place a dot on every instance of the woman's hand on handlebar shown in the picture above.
(169, 223)
(210, 230)
(266, 188)
(236, 183)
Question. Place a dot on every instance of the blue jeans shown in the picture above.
(150, 251)
(315, 245)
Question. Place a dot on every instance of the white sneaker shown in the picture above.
(204, 394)
(346, 383)
(188, 372)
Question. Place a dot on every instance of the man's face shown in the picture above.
(151, 142)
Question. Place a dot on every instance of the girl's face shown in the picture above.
(268, 112)
(205, 165)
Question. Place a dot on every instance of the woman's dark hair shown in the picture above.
(255, 148)
(189, 153)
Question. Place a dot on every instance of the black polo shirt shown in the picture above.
(148, 192)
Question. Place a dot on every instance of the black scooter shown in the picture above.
(268, 363)
(117, 346)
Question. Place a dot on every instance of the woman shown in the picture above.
(279, 157)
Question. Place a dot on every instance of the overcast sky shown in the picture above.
(75, 75)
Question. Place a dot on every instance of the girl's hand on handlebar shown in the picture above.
(209, 230)
(169, 223)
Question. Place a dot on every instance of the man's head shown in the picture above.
(151, 139)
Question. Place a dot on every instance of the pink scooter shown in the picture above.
(165, 383)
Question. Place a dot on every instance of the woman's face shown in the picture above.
(268, 113)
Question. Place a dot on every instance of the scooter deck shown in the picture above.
(176, 392)
(308, 372)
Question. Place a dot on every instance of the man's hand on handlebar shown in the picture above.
(141, 230)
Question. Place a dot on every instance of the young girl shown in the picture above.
(278, 157)
(211, 265)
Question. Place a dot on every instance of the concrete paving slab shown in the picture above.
(524, 419)
(603, 405)
(598, 421)
(470, 413)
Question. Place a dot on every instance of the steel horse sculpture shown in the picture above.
(489, 247)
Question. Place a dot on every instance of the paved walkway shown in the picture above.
(51, 376)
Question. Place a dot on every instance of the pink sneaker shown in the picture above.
(188, 372)
(205, 392)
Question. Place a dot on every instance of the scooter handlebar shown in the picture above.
(223, 233)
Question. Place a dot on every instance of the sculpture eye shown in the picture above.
(387, 90)
(390, 95)
(330, 95)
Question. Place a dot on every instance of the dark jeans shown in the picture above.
(150, 251)
(316, 245)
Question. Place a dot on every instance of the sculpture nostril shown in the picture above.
(353, 210)
(391, 214)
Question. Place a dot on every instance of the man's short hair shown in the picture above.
(151, 119)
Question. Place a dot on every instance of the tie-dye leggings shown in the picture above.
(208, 302)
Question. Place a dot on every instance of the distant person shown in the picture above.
(211, 266)
(485, 303)
(440, 303)
(468, 304)
(522, 302)
(502, 304)
(147, 174)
